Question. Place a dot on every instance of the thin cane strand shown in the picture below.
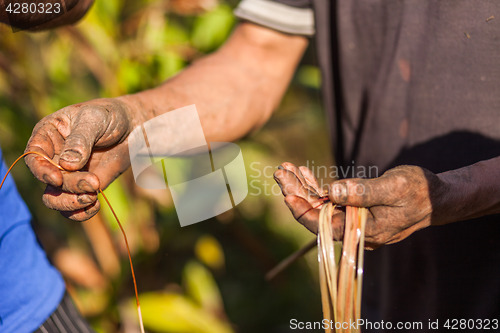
(23, 155)
(114, 214)
(129, 258)
(341, 282)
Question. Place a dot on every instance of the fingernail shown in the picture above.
(71, 156)
(277, 180)
(339, 193)
(85, 199)
(281, 168)
(85, 186)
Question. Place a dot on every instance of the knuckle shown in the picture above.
(63, 202)
(77, 139)
(67, 205)
(338, 192)
(95, 111)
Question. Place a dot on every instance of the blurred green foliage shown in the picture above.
(208, 277)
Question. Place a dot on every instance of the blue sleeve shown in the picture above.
(30, 287)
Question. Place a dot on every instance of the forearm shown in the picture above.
(235, 89)
(469, 192)
(72, 11)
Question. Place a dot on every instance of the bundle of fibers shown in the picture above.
(341, 278)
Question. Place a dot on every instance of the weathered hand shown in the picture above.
(303, 195)
(400, 202)
(87, 140)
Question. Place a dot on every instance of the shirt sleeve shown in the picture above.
(289, 16)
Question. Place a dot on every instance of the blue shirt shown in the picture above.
(30, 287)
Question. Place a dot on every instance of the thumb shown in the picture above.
(86, 129)
(358, 192)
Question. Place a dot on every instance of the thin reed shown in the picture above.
(341, 278)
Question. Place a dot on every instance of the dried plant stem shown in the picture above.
(341, 287)
(290, 259)
(363, 215)
(326, 300)
(282, 265)
(129, 258)
(114, 214)
(326, 258)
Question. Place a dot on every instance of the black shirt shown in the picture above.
(416, 82)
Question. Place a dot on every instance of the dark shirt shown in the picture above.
(417, 82)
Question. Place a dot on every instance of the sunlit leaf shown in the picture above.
(175, 34)
(210, 252)
(212, 28)
(201, 286)
(170, 63)
(309, 76)
(121, 205)
(167, 312)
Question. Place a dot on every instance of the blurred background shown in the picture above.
(207, 277)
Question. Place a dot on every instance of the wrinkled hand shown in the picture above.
(400, 202)
(87, 140)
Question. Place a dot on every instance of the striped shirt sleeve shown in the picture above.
(292, 17)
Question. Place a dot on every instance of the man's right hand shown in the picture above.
(89, 141)
(235, 90)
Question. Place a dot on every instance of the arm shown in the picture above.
(235, 90)
(403, 200)
(74, 11)
(469, 192)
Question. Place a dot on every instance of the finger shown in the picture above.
(295, 170)
(303, 212)
(45, 140)
(291, 185)
(309, 216)
(80, 182)
(42, 169)
(361, 192)
(108, 166)
(83, 214)
(56, 199)
(311, 179)
(87, 127)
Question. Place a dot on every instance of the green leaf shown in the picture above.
(130, 75)
(201, 286)
(168, 312)
(170, 63)
(210, 252)
(211, 29)
(309, 76)
(175, 34)
(115, 193)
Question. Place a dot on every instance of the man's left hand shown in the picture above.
(399, 202)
